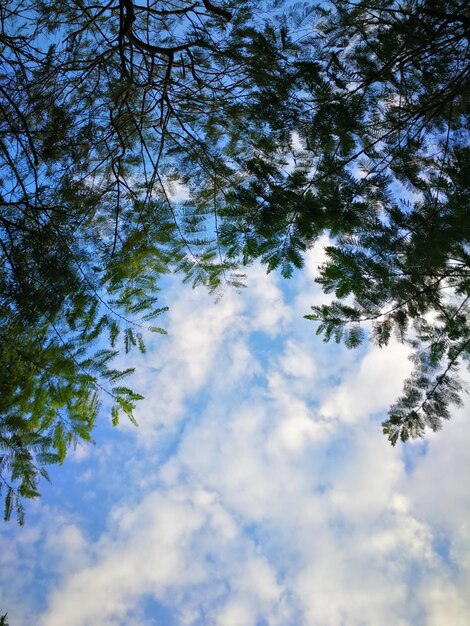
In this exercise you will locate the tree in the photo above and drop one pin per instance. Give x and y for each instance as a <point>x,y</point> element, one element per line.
<point>102,108</point>
<point>380,106</point>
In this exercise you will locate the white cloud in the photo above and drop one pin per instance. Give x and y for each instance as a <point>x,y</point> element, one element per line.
<point>279,501</point>
<point>445,603</point>
<point>372,387</point>
<point>79,452</point>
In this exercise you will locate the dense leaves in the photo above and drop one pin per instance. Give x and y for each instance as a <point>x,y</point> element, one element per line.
<point>138,139</point>
<point>104,108</point>
<point>382,164</point>
<point>406,264</point>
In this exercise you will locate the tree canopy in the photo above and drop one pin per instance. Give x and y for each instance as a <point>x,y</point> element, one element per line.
<point>279,123</point>
<point>98,104</point>
<point>380,108</point>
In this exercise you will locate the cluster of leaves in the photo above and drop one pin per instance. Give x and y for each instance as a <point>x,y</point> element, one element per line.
<point>102,108</point>
<point>409,274</point>
<point>380,93</point>
<point>349,118</point>
<point>58,310</point>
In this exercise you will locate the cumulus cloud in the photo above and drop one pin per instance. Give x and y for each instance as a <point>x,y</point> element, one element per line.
<point>279,501</point>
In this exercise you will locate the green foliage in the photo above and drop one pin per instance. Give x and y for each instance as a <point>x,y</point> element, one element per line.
<point>102,110</point>
<point>275,125</point>
<point>405,265</point>
<point>381,165</point>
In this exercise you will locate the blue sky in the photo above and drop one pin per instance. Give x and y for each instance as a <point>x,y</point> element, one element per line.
<point>258,489</point>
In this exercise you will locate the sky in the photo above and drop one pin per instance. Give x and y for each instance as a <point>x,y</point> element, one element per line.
<point>258,489</point>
